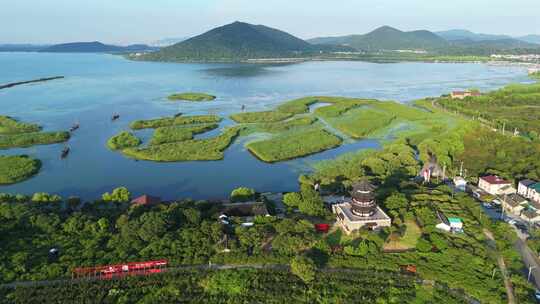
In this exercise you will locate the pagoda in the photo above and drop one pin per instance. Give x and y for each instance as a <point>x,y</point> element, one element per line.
<point>361,209</point>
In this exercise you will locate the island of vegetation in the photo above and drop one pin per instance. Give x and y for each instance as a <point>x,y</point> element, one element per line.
<point>192,97</point>
<point>16,134</point>
<point>14,169</point>
<point>174,121</point>
<point>123,140</point>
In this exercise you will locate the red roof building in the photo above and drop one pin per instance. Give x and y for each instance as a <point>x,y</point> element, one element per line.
<point>145,200</point>
<point>495,185</point>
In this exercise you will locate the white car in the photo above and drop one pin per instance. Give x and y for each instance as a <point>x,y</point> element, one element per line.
<point>511,221</point>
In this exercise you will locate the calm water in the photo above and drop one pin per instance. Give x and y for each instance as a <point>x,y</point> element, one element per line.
<point>98,85</point>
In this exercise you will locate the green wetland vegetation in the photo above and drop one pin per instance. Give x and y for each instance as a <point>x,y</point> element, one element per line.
<point>123,140</point>
<point>190,96</point>
<point>265,116</point>
<point>32,139</point>
<point>173,121</point>
<point>16,134</point>
<point>293,145</point>
<point>14,169</point>
<point>9,125</point>
<point>194,149</point>
<point>179,133</point>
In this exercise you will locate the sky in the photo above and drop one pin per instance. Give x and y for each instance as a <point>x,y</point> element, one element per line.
<point>143,21</point>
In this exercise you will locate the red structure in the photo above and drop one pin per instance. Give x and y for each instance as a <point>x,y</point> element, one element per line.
<point>146,200</point>
<point>322,228</point>
<point>120,270</point>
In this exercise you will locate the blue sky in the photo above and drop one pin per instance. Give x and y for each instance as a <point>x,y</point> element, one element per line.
<point>129,21</point>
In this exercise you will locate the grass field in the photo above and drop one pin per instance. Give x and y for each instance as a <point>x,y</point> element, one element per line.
<point>174,121</point>
<point>293,145</point>
<point>123,140</point>
<point>190,96</point>
<point>257,117</point>
<point>189,150</point>
<point>14,169</point>
<point>9,125</point>
<point>31,139</point>
<point>408,240</point>
<point>165,135</point>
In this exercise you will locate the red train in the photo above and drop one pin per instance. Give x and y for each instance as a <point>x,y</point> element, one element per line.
<point>111,271</point>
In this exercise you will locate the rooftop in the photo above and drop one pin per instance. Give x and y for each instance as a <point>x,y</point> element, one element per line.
<point>515,200</point>
<point>527,182</point>
<point>495,180</point>
<point>146,200</point>
<point>346,210</point>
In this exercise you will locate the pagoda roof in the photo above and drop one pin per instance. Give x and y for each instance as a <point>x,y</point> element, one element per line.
<point>363,186</point>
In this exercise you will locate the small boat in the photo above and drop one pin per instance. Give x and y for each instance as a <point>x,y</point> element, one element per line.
<point>115,117</point>
<point>74,127</point>
<point>178,115</point>
<point>243,107</point>
<point>65,152</point>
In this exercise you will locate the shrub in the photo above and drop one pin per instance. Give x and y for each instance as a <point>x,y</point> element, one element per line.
<point>242,194</point>
<point>118,195</point>
<point>304,268</point>
<point>229,282</point>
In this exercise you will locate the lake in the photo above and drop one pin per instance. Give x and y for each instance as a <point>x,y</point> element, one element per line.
<point>96,86</point>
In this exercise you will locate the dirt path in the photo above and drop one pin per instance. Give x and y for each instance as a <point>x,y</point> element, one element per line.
<point>502,268</point>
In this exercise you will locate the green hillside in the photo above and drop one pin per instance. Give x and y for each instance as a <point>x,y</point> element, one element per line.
<point>387,38</point>
<point>235,41</point>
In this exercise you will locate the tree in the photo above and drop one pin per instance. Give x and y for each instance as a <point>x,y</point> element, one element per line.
<point>292,199</point>
<point>42,197</point>
<point>312,203</point>
<point>230,282</point>
<point>304,268</point>
<point>242,194</point>
<point>396,201</point>
<point>118,195</point>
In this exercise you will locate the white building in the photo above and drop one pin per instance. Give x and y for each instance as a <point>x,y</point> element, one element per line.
<point>495,185</point>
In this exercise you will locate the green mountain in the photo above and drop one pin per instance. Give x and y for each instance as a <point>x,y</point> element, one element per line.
<point>452,35</point>
<point>387,38</point>
<point>94,47</point>
<point>232,42</point>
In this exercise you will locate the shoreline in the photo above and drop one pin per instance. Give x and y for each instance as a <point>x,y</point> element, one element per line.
<point>13,84</point>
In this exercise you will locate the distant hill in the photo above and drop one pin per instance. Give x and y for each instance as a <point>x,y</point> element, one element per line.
<point>387,38</point>
<point>495,45</point>
<point>235,41</point>
<point>21,47</point>
<point>530,38</point>
<point>451,35</point>
<point>94,47</point>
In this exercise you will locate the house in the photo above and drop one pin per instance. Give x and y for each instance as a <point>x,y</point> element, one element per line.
<point>531,215</point>
<point>495,185</point>
<point>146,200</point>
<point>245,211</point>
<point>463,94</point>
<point>529,189</point>
<point>460,183</point>
<point>360,210</point>
<point>514,203</point>
<point>449,224</point>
